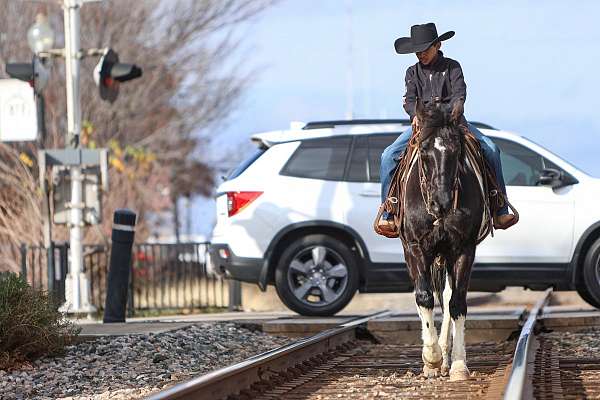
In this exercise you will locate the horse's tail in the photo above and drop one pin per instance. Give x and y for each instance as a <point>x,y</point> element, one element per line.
<point>438,278</point>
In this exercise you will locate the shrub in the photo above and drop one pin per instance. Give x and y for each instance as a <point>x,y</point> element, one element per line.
<point>30,323</point>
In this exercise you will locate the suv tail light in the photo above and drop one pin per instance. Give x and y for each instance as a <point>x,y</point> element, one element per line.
<point>237,201</point>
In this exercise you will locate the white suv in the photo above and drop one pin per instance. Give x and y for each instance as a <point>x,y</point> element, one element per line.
<point>298,214</point>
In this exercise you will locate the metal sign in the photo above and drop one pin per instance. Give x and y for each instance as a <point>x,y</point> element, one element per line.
<point>18,116</point>
<point>92,195</point>
<point>94,168</point>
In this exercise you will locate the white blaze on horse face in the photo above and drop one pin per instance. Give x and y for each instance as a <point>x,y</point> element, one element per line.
<point>439,144</point>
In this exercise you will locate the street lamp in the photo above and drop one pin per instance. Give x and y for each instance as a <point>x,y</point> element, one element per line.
<point>40,36</point>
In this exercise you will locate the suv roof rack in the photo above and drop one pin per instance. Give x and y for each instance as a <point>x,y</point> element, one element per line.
<point>334,123</point>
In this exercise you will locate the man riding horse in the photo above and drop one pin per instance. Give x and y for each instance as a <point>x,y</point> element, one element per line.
<point>443,192</point>
<point>435,78</point>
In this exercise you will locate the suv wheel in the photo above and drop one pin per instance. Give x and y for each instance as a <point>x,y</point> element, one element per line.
<point>585,295</point>
<point>316,275</point>
<point>590,290</point>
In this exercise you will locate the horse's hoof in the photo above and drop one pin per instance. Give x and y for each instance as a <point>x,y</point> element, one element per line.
<point>430,371</point>
<point>459,371</point>
<point>432,355</point>
<point>444,369</point>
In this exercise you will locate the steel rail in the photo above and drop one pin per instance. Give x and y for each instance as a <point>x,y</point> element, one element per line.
<point>230,380</point>
<point>516,384</point>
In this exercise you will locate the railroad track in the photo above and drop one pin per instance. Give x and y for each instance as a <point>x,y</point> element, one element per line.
<point>347,363</point>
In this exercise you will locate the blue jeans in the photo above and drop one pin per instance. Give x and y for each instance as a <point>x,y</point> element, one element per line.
<point>391,155</point>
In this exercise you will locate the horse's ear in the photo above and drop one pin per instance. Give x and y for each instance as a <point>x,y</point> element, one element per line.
<point>457,111</point>
<point>420,109</point>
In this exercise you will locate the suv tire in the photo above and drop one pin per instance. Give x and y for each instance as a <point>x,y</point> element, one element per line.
<point>585,295</point>
<point>590,290</point>
<point>316,275</point>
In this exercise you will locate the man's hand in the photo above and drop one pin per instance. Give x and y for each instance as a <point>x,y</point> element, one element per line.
<point>458,110</point>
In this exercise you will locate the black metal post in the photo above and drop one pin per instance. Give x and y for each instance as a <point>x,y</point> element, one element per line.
<point>41,116</point>
<point>63,267</point>
<point>51,270</point>
<point>120,265</point>
<point>174,198</point>
<point>23,251</point>
<point>235,295</point>
<point>130,295</point>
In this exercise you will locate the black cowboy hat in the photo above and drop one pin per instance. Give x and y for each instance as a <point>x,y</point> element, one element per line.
<point>421,37</point>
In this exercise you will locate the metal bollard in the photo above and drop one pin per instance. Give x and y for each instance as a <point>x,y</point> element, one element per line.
<point>235,296</point>
<point>120,264</point>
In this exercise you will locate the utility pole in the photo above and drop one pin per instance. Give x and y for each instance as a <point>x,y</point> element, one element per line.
<point>349,66</point>
<point>76,279</point>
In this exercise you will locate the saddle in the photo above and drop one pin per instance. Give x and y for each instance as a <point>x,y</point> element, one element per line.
<point>492,197</point>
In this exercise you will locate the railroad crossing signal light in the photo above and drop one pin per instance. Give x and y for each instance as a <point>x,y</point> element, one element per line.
<point>35,73</point>
<point>110,72</point>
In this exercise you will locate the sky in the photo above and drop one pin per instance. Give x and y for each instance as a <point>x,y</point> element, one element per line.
<point>530,68</point>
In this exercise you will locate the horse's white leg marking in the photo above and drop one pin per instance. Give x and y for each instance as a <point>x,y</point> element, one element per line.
<point>432,354</point>
<point>459,370</point>
<point>445,336</point>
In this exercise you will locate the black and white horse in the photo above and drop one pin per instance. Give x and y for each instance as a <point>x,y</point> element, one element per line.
<point>442,217</point>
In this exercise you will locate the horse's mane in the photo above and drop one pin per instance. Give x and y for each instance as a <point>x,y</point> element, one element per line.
<point>435,117</point>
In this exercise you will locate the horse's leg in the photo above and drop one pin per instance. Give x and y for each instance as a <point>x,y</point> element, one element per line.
<point>458,312</point>
<point>445,336</point>
<point>432,354</point>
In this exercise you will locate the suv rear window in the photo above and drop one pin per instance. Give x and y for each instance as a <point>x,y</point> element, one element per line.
<point>237,171</point>
<point>319,159</point>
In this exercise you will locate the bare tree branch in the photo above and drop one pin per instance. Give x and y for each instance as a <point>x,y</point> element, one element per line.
<point>158,124</point>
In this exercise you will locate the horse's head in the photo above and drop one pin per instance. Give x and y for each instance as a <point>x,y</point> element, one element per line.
<point>440,149</point>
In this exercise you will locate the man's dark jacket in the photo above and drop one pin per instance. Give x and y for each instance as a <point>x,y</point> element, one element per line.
<point>442,79</point>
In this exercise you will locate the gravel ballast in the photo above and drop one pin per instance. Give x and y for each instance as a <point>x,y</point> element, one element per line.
<point>133,366</point>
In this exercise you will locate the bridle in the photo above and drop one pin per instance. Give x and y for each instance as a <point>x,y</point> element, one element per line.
<point>426,187</point>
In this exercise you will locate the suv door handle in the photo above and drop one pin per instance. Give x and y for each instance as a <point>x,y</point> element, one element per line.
<point>370,193</point>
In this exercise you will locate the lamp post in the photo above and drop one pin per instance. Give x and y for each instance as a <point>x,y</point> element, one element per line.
<point>40,37</point>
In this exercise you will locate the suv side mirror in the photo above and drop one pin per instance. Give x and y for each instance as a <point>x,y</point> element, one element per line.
<point>550,177</point>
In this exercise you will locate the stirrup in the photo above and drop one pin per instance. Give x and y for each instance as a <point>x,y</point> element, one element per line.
<point>509,223</point>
